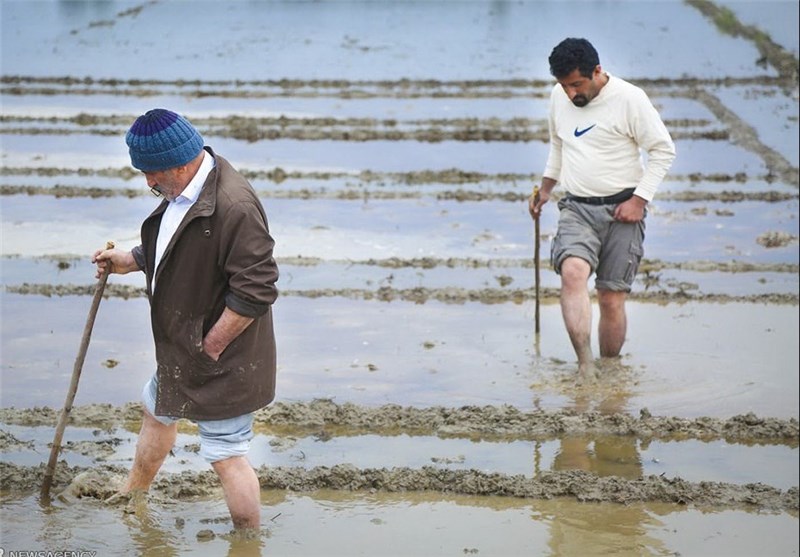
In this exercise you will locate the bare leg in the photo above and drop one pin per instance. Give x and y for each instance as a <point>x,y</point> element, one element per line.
<point>576,308</point>
<point>155,442</point>
<point>613,322</point>
<point>242,491</point>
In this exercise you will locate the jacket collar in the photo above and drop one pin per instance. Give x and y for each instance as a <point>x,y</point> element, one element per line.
<point>207,200</point>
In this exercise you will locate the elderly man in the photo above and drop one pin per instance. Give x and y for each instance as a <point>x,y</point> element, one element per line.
<point>206,252</point>
<point>599,124</point>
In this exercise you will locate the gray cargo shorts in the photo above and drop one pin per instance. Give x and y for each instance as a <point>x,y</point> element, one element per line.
<point>612,249</point>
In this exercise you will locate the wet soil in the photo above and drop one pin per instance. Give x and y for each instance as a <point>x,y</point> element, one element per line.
<point>235,117</point>
<point>101,482</point>
<point>477,422</point>
<point>420,295</point>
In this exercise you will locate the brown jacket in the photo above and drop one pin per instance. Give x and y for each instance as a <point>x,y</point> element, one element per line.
<point>220,255</point>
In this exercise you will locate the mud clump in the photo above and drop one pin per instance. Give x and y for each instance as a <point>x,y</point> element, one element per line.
<point>10,443</point>
<point>93,483</point>
<point>776,239</point>
<point>103,416</point>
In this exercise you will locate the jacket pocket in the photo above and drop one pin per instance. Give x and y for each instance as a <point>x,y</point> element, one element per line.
<point>204,364</point>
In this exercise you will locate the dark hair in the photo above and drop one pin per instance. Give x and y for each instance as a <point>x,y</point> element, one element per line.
<point>571,54</point>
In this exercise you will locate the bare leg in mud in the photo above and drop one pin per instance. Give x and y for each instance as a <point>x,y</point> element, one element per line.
<point>154,444</point>
<point>576,308</point>
<point>613,322</point>
<point>242,491</point>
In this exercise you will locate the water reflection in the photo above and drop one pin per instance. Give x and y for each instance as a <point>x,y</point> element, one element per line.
<point>610,528</point>
<point>608,455</point>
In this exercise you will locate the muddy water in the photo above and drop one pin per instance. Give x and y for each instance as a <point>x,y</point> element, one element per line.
<point>437,355</point>
<point>413,396</point>
<point>338,523</point>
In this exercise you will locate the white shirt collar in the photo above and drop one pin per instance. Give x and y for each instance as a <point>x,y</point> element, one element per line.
<point>192,190</point>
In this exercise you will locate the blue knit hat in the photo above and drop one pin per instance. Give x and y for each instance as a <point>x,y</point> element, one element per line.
<point>161,139</point>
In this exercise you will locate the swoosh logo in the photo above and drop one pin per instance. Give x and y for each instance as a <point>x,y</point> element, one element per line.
<point>579,133</point>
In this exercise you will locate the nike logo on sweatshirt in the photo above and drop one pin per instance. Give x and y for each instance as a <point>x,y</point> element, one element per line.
<point>579,133</point>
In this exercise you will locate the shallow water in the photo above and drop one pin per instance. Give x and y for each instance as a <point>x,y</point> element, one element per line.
<point>605,455</point>
<point>408,291</point>
<point>336,523</point>
<point>428,354</point>
<point>356,41</point>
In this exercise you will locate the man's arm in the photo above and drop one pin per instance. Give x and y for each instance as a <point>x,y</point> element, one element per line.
<point>252,274</point>
<point>229,326</point>
<point>553,164</point>
<point>652,136</point>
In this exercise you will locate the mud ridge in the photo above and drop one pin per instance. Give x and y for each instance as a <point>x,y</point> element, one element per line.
<point>775,55</point>
<point>745,136</point>
<point>233,122</point>
<point>582,486</point>
<point>421,295</point>
<point>503,421</point>
<point>61,191</point>
<point>402,88</point>
<point>253,134</point>
<point>345,129</point>
<point>646,266</point>
<point>412,178</point>
<point>457,295</point>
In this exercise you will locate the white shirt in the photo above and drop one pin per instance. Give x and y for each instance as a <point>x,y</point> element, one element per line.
<point>595,150</point>
<point>176,209</point>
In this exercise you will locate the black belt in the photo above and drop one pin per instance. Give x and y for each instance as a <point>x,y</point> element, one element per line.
<point>624,195</point>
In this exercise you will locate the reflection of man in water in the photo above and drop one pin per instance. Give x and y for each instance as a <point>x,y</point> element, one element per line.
<point>598,125</point>
<point>602,528</point>
<point>605,455</point>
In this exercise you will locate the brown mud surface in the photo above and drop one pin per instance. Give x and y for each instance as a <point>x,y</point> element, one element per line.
<point>101,483</point>
<point>479,422</point>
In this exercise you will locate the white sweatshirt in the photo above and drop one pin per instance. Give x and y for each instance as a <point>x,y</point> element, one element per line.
<point>595,150</point>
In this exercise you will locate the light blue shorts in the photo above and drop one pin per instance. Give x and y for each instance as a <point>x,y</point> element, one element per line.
<point>219,439</point>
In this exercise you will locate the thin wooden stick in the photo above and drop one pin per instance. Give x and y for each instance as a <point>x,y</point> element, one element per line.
<point>536,244</point>
<point>73,386</point>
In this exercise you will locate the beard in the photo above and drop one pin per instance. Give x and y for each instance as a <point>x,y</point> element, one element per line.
<point>580,101</point>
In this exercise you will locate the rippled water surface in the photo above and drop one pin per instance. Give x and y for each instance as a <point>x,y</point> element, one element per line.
<point>393,145</point>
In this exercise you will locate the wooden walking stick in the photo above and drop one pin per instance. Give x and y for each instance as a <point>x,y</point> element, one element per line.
<point>536,259</point>
<point>73,386</point>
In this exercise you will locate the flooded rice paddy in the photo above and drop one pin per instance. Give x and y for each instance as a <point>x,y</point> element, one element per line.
<point>394,146</point>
